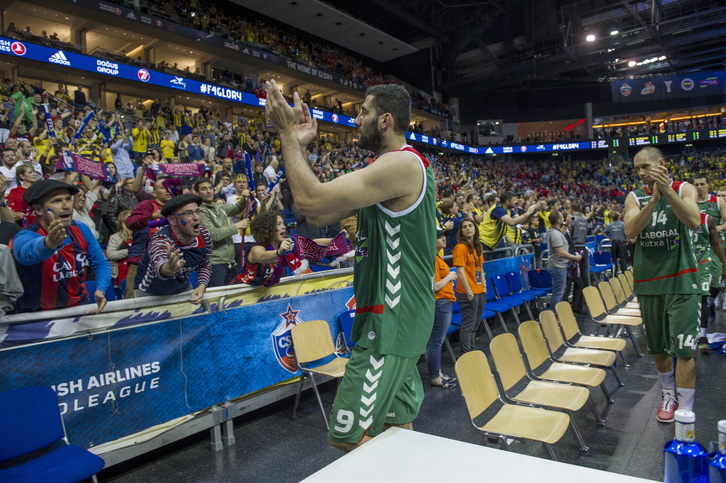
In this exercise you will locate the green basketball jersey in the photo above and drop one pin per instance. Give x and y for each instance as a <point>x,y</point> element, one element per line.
<point>665,258</point>
<point>702,246</point>
<point>711,206</point>
<point>394,273</point>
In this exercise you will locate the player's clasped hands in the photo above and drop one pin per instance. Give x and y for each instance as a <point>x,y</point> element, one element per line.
<point>662,180</point>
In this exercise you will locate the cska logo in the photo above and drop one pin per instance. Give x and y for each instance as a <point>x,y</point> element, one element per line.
<point>282,340</point>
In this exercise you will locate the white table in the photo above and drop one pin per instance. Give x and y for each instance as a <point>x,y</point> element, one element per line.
<point>399,455</point>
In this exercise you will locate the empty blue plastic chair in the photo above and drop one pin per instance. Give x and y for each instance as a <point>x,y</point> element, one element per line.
<point>598,270</point>
<point>494,308</point>
<point>505,296</point>
<point>540,280</point>
<point>30,421</point>
<point>515,283</point>
<point>604,259</point>
<point>346,325</point>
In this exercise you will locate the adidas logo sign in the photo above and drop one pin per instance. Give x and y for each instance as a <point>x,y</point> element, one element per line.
<point>131,16</point>
<point>59,58</point>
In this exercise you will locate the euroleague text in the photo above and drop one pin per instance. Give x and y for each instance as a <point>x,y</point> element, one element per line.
<point>119,380</point>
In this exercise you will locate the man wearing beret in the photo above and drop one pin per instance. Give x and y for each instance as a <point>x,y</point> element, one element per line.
<point>52,253</point>
<point>175,251</point>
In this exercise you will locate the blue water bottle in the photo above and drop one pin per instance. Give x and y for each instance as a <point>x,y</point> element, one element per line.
<point>717,466</point>
<point>686,461</point>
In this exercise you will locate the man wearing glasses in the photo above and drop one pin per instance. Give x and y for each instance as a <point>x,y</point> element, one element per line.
<point>175,251</point>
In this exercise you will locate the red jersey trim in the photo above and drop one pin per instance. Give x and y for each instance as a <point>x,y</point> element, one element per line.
<point>682,272</point>
<point>376,309</point>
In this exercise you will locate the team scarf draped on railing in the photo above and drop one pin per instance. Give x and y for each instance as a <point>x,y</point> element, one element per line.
<point>305,249</point>
<point>87,167</point>
<point>177,170</point>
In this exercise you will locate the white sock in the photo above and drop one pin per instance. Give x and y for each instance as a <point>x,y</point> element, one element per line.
<point>685,398</point>
<point>702,332</point>
<point>667,380</point>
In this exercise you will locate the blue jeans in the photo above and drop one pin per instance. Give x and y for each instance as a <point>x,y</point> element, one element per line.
<point>559,282</point>
<point>442,320</point>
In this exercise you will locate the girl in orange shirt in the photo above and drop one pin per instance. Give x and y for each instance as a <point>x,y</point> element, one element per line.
<point>470,289</point>
<point>444,293</point>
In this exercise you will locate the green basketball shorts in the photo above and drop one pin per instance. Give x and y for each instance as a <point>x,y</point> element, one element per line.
<point>671,323</point>
<point>376,390</point>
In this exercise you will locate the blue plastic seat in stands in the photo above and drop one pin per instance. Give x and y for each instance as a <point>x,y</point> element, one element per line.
<point>505,296</point>
<point>515,283</point>
<point>504,289</point>
<point>596,269</point>
<point>604,259</point>
<point>31,422</point>
<point>346,325</point>
<point>540,280</point>
<point>493,305</point>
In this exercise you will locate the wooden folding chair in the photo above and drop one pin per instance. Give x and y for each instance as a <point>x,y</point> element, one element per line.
<point>607,293</point>
<point>561,353</point>
<point>313,342</point>
<point>511,421</point>
<point>631,279</point>
<point>598,314</point>
<point>535,350</point>
<point>510,368</point>
<point>623,292</point>
<point>575,338</point>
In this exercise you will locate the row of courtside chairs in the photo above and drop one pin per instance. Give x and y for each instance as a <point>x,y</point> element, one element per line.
<point>556,363</point>
<point>558,366</point>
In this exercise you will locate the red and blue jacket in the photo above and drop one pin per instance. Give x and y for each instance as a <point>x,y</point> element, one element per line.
<point>55,279</point>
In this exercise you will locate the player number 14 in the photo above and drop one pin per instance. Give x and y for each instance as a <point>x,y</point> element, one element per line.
<point>659,217</point>
<point>690,342</point>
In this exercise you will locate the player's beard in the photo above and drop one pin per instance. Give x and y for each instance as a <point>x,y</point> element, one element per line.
<point>371,139</point>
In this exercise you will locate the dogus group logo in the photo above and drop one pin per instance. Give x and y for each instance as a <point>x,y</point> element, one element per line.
<point>282,341</point>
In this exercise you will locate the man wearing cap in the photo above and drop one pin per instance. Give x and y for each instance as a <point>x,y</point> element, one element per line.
<point>51,253</point>
<point>215,217</point>
<point>175,251</point>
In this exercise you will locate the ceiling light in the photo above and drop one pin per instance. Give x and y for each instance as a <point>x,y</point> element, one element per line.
<point>590,38</point>
<point>631,63</point>
<point>615,32</point>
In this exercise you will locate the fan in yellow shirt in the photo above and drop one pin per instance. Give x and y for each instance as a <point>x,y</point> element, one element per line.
<point>167,146</point>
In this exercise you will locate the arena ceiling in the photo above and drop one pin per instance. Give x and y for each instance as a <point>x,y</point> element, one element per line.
<point>492,43</point>
<point>535,44</point>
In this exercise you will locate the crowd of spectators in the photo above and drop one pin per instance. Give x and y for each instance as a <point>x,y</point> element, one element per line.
<point>224,21</point>
<point>334,60</point>
<point>133,142</point>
